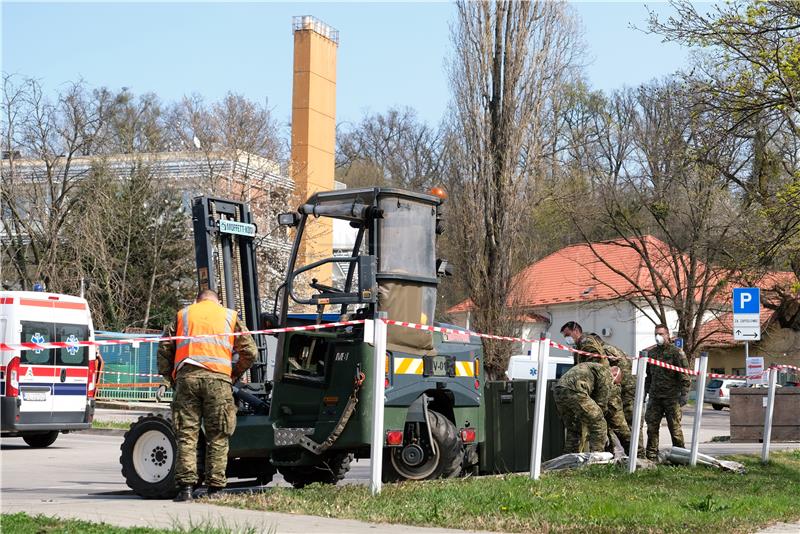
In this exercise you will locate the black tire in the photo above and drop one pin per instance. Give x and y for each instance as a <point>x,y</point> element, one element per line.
<point>330,471</point>
<point>156,453</point>
<point>717,407</point>
<point>40,440</point>
<point>444,462</point>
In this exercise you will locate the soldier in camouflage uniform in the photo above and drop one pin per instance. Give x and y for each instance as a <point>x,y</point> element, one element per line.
<point>203,394</point>
<point>615,416</point>
<point>627,385</point>
<point>581,396</point>
<point>668,391</point>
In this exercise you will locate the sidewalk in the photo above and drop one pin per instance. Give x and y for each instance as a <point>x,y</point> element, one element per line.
<point>167,514</point>
<point>781,528</point>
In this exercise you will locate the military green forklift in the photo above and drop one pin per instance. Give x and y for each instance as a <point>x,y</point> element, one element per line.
<point>311,418</point>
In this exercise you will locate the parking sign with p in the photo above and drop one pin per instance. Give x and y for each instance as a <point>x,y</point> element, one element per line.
<point>746,300</point>
<point>746,314</point>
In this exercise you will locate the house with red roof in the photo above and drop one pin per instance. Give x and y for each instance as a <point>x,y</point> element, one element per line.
<point>572,284</point>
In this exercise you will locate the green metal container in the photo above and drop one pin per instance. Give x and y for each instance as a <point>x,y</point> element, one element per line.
<point>509,426</point>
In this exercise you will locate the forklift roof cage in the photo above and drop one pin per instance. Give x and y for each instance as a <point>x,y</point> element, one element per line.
<point>393,258</point>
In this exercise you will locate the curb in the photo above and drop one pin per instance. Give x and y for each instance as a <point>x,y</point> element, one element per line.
<point>121,405</point>
<point>103,431</point>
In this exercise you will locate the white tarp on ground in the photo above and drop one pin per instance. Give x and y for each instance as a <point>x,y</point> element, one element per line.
<point>678,455</point>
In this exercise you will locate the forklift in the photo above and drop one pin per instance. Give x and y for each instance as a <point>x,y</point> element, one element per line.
<point>310,418</point>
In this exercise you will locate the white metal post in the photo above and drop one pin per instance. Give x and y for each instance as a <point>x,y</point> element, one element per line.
<point>378,396</point>
<point>746,350</point>
<point>641,375</point>
<point>698,413</point>
<point>538,409</point>
<point>773,382</point>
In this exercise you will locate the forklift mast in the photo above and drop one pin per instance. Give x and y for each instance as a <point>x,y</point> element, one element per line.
<point>224,235</point>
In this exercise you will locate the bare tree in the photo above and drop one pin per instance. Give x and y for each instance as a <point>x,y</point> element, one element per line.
<point>392,148</point>
<point>38,197</point>
<point>747,75</point>
<point>663,203</point>
<point>510,60</point>
<point>140,262</point>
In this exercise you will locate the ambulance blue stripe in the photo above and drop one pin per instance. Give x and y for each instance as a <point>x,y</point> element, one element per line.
<point>59,389</point>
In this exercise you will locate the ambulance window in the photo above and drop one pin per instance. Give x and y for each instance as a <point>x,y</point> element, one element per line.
<point>37,333</point>
<point>71,355</point>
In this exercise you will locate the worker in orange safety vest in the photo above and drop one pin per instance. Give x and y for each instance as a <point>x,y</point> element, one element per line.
<point>201,370</point>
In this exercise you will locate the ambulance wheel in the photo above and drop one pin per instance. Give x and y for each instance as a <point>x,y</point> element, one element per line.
<point>40,440</point>
<point>147,456</point>
<point>717,407</point>
<point>330,471</point>
<point>440,459</point>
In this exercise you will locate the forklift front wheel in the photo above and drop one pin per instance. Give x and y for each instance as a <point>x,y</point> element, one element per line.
<point>148,457</point>
<point>441,460</point>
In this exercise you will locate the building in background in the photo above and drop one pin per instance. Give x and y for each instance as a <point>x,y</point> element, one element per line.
<point>231,174</point>
<point>573,285</point>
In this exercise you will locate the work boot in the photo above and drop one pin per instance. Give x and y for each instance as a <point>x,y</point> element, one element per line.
<point>184,494</point>
<point>215,492</point>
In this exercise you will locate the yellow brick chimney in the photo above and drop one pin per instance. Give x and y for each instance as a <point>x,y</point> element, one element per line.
<point>314,126</point>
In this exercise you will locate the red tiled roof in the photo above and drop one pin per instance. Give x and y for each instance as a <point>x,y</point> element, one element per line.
<point>719,332</point>
<point>575,274</point>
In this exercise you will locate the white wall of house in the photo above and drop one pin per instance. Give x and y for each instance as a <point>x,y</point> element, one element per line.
<point>645,327</point>
<point>617,322</point>
<point>613,321</point>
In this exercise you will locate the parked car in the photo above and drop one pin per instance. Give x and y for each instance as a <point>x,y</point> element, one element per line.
<point>718,393</point>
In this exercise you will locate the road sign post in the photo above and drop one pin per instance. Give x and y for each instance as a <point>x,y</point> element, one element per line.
<point>698,413</point>
<point>538,409</point>
<point>638,408</point>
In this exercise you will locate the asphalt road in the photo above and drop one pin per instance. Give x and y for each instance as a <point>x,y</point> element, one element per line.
<point>79,476</point>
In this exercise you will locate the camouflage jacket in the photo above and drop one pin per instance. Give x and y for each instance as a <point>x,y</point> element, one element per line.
<point>666,383</point>
<point>622,362</point>
<point>590,378</point>
<point>590,343</point>
<point>243,345</point>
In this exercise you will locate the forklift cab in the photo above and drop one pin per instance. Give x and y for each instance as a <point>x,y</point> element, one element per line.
<point>391,267</point>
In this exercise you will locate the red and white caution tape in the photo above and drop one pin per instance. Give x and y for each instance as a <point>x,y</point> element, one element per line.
<point>666,365</point>
<point>589,354</point>
<point>106,342</point>
<point>446,330</point>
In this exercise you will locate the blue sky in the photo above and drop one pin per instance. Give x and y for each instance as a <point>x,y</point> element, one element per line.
<point>389,54</point>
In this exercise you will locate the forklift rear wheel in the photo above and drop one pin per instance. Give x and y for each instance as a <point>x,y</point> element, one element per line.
<point>40,440</point>
<point>148,457</point>
<point>330,471</point>
<point>442,460</point>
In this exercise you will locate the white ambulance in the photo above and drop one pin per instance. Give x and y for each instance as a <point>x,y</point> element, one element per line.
<point>45,391</point>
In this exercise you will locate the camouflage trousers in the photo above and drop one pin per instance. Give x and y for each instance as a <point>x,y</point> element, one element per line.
<point>616,420</point>
<point>657,408</point>
<point>581,416</point>
<point>207,400</point>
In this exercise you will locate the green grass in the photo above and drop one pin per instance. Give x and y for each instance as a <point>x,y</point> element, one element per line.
<point>598,499</point>
<point>24,524</point>
<point>115,425</point>
<point>21,523</point>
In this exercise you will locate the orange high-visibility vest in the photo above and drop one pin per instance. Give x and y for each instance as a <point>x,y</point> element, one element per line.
<point>213,353</point>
